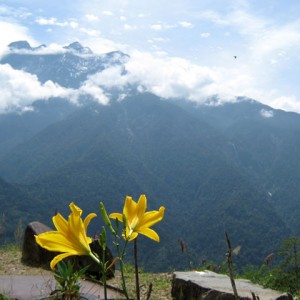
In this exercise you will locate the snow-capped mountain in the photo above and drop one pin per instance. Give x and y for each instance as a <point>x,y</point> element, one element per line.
<point>68,68</point>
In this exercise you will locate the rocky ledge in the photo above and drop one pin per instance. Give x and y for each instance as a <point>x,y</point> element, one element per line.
<point>208,285</point>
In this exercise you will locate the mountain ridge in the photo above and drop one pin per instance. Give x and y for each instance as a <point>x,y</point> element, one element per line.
<point>214,167</point>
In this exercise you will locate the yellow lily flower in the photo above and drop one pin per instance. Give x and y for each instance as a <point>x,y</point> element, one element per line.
<point>138,220</point>
<point>70,237</point>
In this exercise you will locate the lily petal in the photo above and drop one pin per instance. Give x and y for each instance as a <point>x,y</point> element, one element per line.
<point>150,233</point>
<point>60,223</point>
<point>152,217</point>
<point>70,237</point>
<point>116,216</point>
<point>88,219</point>
<point>58,258</point>
<point>129,209</point>
<point>57,242</point>
<point>138,220</point>
<point>75,209</point>
<point>132,236</point>
<point>141,207</point>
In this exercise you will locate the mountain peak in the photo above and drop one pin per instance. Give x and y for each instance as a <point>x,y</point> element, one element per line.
<point>20,45</point>
<point>24,45</point>
<point>76,46</point>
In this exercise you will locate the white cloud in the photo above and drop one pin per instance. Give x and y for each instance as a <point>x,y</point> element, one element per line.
<point>157,40</point>
<point>50,49</point>
<point>51,21</point>
<point>90,32</point>
<point>278,40</point>
<point>91,17</point>
<point>165,76</point>
<point>185,24</point>
<point>129,27</point>
<point>205,34</point>
<point>214,17</point>
<point>19,89</point>
<point>110,77</point>
<point>288,103</point>
<point>162,26</point>
<point>107,13</point>
<point>94,91</point>
<point>266,47</point>
<point>100,45</point>
<point>4,10</point>
<point>263,36</point>
<point>170,77</point>
<point>73,24</point>
<point>247,23</point>
<point>156,27</point>
<point>13,32</point>
<point>15,12</point>
<point>54,22</point>
<point>44,21</point>
<point>266,113</point>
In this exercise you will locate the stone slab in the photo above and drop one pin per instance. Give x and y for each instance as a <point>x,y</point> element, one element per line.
<point>38,287</point>
<point>208,280</point>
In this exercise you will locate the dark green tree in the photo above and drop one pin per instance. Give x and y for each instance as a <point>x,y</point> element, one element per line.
<point>285,275</point>
<point>289,267</point>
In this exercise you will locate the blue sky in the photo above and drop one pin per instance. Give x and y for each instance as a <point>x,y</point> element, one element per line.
<point>177,48</point>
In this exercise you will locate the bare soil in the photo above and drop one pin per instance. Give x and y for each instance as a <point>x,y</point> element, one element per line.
<point>10,264</point>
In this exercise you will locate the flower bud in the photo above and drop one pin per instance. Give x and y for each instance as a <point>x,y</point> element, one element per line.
<point>106,218</point>
<point>102,238</point>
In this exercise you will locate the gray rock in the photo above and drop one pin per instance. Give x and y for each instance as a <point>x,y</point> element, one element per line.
<point>32,253</point>
<point>208,285</point>
<point>286,296</point>
<point>213,294</point>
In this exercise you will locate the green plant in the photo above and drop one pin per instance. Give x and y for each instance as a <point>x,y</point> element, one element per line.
<point>285,276</point>
<point>68,285</point>
<point>290,253</point>
<point>18,234</point>
<point>3,297</point>
<point>121,253</point>
<point>137,221</point>
<point>9,247</point>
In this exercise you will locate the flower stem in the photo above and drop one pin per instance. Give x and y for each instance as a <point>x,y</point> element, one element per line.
<point>96,259</point>
<point>103,267</point>
<point>137,283</point>
<point>104,271</point>
<point>121,255</point>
